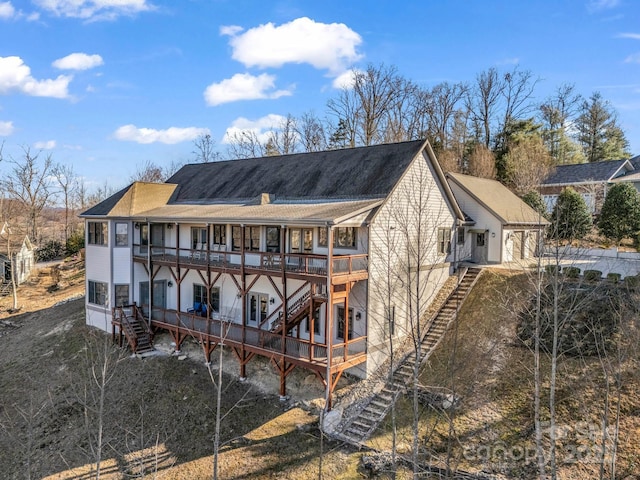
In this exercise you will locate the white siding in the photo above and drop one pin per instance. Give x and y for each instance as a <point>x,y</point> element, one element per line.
<point>416,205</point>
<point>484,220</point>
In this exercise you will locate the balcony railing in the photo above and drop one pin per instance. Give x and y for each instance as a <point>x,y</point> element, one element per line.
<point>220,330</point>
<point>304,264</point>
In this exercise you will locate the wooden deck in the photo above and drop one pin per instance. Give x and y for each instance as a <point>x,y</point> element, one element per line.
<point>345,268</point>
<point>262,342</point>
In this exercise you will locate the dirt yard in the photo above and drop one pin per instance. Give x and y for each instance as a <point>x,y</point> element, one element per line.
<point>158,416</point>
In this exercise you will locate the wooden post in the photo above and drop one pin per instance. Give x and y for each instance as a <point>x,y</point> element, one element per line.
<point>329,318</point>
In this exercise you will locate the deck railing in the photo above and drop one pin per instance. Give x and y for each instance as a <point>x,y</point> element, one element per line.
<point>304,264</point>
<point>233,333</point>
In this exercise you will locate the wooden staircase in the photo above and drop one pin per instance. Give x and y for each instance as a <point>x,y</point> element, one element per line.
<point>298,310</point>
<point>5,289</point>
<point>135,328</point>
<point>364,424</point>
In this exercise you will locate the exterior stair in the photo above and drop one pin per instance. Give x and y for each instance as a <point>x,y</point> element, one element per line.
<point>5,289</point>
<point>135,329</point>
<point>298,310</point>
<point>365,423</point>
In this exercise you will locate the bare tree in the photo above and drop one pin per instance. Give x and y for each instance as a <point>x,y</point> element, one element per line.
<point>68,182</point>
<point>283,140</point>
<point>311,132</point>
<point>481,162</point>
<point>528,163</point>
<point>29,183</point>
<point>556,113</point>
<point>148,172</point>
<point>446,98</point>
<point>483,101</point>
<point>205,149</point>
<point>245,144</point>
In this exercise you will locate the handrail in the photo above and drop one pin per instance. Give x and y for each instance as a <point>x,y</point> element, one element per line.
<point>298,263</point>
<point>231,332</point>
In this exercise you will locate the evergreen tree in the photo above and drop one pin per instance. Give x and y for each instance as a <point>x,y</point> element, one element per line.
<point>570,219</point>
<point>620,215</point>
<point>534,200</point>
<point>599,134</point>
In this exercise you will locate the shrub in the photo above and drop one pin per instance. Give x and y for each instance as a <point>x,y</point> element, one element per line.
<point>552,269</point>
<point>51,250</point>
<point>620,214</point>
<point>632,281</point>
<point>570,219</point>
<point>613,277</point>
<point>534,200</point>
<point>592,275</point>
<point>571,272</point>
<point>75,243</point>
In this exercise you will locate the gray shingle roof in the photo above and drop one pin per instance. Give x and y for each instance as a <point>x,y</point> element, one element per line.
<point>586,172</point>
<point>497,199</point>
<point>355,173</point>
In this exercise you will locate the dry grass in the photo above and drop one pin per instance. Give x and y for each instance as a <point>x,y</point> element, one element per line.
<point>160,411</point>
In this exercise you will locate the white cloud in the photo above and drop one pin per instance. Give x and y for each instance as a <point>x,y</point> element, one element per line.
<point>47,145</point>
<point>6,10</point>
<point>230,30</point>
<point>171,135</point>
<point>6,129</point>
<point>633,36</point>
<point>325,46</point>
<point>634,58</point>
<point>95,9</point>
<point>243,86</point>
<point>16,76</point>
<point>345,80</point>
<point>78,61</point>
<point>260,128</point>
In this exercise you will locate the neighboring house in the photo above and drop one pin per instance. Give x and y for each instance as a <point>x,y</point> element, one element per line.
<point>305,259</point>
<point>23,259</point>
<point>505,229</point>
<point>591,180</point>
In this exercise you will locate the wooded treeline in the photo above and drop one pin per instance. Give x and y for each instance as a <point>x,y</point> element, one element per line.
<point>492,126</point>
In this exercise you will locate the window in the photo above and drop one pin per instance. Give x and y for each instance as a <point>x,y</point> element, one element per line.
<point>97,233</point>
<point>344,237</point>
<point>273,239</point>
<point>122,234</point>
<point>256,308</point>
<point>301,240</point>
<point>122,295</point>
<point>390,327</point>
<point>97,293</point>
<point>460,235</point>
<point>341,323</point>
<point>220,234</point>
<point>444,240</point>
<point>252,239</point>
<point>317,326</point>
<point>144,238</point>
<point>200,298</point>
<point>198,238</point>
<point>480,239</point>
<point>236,238</point>
<point>322,237</point>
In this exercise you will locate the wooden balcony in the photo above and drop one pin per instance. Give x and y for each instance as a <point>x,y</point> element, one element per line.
<point>345,268</point>
<point>304,353</point>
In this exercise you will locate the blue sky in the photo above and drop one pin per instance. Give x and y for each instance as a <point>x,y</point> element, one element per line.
<point>107,85</point>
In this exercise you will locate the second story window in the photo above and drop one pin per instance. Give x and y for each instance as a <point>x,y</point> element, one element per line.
<point>252,239</point>
<point>97,233</point>
<point>219,234</point>
<point>301,240</point>
<point>344,237</point>
<point>273,239</point>
<point>122,234</point>
<point>444,240</point>
<point>198,238</point>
